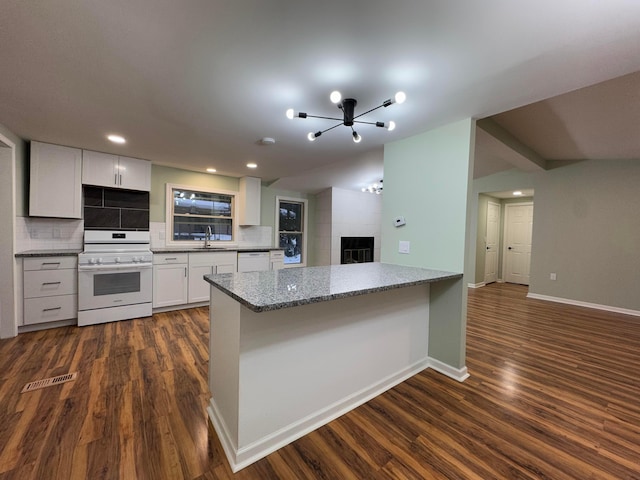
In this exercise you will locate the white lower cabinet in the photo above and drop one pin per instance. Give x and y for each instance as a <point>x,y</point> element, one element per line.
<point>177,278</point>
<point>50,289</point>
<point>170,279</point>
<point>207,263</point>
<point>276,258</point>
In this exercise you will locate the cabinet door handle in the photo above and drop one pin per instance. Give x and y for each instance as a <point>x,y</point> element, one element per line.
<point>115,178</point>
<point>51,309</point>
<point>120,179</point>
<point>50,263</point>
<point>170,258</point>
<point>185,272</point>
<point>51,283</point>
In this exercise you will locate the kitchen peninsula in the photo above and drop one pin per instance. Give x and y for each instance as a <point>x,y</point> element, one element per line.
<point>292,349</point>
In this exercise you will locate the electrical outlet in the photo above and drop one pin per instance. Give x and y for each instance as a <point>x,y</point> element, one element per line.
<point>552,276</point>
<point>404,246</point>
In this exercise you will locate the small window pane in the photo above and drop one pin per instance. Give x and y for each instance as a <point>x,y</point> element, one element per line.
<point>291,217</point>
<point>194,228</point>
<point>292,244</point>
<point>194,211</point>
<point>186,202</point>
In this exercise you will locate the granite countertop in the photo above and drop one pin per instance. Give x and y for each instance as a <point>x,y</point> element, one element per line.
<point>58,252</point>
<point>290,287</point>
<point>214,249</point>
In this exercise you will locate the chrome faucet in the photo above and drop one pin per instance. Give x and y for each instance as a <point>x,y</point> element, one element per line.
<point>207,237</point>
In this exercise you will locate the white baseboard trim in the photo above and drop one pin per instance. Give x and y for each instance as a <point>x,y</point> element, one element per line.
<point>240,458</point>
<point>579,303</point>
<point>476,285</point>
<point>459,374</point>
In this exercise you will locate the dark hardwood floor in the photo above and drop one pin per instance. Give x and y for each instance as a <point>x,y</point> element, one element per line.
<point>554,393</point>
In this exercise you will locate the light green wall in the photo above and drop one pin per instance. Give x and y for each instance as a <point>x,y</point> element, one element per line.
<point>22,172</point>
<point>586,229</point>
<point>268,215</point>
<point>427,180</point>
<point>160,176</point>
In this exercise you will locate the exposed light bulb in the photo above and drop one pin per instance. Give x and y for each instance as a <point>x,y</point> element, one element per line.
<point>392,126</point>
<point>311,136</point>
<point>364,189</point>
<point>290,114</point>
<point>356,138</point>
<point>335,96</point>
<point>400,97</point>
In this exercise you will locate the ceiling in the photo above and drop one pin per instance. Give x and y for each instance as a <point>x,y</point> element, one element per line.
<point>197,84</point>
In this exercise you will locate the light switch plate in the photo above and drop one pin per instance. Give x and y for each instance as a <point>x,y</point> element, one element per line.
<point>404,246</point>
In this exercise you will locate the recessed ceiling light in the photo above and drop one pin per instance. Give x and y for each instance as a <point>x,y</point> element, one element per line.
<point>211,170</point>
<point>252,165</point>
<point>116,138</point>
<point>517,193</point>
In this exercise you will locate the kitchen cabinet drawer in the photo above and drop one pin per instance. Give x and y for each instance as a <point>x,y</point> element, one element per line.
<point>50,263</point>
<point>169,258</point>
<point>50,309</point>
<point>47,283</point>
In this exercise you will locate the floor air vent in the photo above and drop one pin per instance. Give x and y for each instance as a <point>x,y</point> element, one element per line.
<point>48,382</point>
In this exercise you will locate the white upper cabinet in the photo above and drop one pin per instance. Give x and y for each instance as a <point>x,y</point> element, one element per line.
<point>107,170</point>
<point>250,193</point>
<point>55,188</point>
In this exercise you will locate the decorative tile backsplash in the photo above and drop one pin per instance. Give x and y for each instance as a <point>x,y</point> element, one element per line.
<point>254,236</point>
<point>114,209</point>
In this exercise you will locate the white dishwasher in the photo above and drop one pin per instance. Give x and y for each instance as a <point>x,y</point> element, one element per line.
<point>253,261</point>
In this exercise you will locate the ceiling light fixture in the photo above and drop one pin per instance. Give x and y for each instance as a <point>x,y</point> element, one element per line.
<point>348,106</point>
<point>211,170</point>
<point>517,193</point>
<point>374,188</point>
<point>116,138</point>
<point>252,165</point>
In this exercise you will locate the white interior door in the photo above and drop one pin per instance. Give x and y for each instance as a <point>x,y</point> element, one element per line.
<point>518,226</point>
<point>492,238</point>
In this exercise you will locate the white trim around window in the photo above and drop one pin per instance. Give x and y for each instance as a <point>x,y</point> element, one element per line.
<point>304,233</point>
<point>169,215</point>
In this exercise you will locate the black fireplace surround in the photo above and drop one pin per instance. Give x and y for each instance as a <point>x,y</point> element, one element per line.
<point>356,249</point>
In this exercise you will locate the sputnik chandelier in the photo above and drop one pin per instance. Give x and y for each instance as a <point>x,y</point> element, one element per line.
<point>348,106</point>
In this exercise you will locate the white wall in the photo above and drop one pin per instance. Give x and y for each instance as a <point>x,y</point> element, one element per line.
<point>354,214</point>
<point>345,213</point>
<point>323,227</point>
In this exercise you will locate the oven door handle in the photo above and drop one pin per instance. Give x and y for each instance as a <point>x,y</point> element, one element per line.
<point>101,268</point>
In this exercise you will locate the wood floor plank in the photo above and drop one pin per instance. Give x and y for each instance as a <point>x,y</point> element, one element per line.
<point>553,394</point>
